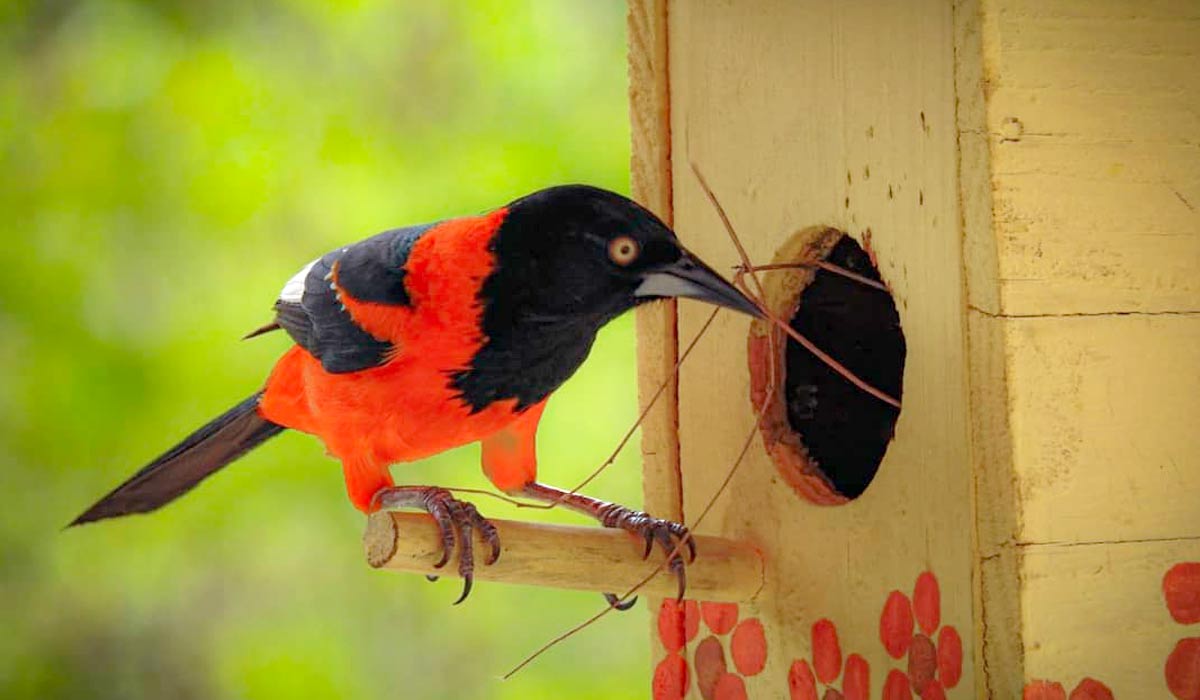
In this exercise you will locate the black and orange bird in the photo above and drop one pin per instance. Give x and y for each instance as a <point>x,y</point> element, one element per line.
<point>425,338</point>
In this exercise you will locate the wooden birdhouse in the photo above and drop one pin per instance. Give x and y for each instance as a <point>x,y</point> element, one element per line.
<point>1021,178</point>
<point>1027,177</point>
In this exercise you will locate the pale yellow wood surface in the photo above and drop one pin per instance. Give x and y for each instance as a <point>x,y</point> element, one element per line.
<point>828,113</point>
<point>1104,416</point>
<point>1097,610</point>
<point>1034,166</point>
<point>589,558</point>
<point>658,345</point>
<point>1088,465</point>
<point>1080,167</point>
<point>1092,120</point>
<point>999,652</point>
<point>650,182</point>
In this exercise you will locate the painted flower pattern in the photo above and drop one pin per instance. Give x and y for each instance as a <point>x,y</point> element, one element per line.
<point>728,649</point>
<point>1181,591</point>
<point>1088,689</point>
<point>732,650</point>
<point>827,669</point>
<point>933,650</point>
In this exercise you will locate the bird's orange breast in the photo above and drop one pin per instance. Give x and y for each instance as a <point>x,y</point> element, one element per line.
<point>404,409</point>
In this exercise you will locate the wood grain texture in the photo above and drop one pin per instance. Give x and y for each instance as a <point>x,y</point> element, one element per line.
<point>1035,166</point>
<point>1000,653</point>
<point>589,558</point>
<point>650,182</point>
<point>1091,119</point>
<point>657,328</point>
<point>829,113</point>
<point>1087,466</point>
<point>1097,610</point>
<point>1104,410</point>
<point>1078,164</point>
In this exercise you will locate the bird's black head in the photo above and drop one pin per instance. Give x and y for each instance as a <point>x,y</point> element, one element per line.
<point>568,260</point>
<point>582,251</point>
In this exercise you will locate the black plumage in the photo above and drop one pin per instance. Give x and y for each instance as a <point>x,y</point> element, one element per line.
<point>554,287</point>
<point>371,270</point>
<point>222,440</point>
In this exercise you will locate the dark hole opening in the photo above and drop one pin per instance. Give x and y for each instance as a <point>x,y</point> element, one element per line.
<point>845,430</point>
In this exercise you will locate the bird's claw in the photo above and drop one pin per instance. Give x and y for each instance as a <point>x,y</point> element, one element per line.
<point>669,535</point>
<point>615,602</point>
<point>456,520</point>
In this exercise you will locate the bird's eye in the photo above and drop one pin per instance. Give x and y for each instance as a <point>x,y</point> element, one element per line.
<point>623,250</point>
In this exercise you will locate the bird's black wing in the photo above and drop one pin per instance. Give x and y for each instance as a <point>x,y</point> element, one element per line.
<point>311,310</point>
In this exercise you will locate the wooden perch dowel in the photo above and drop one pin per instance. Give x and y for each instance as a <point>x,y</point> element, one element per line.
<point>582,558</point>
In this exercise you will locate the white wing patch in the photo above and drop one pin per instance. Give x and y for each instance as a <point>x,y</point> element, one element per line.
<point>294,289</point>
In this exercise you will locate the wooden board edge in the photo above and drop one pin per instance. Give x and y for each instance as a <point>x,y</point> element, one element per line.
<point>650,182</point>
<point>981,255</point>
<point>657,330</point>
<point>997,512</point>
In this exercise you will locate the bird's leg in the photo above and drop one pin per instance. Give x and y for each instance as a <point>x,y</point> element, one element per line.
<point>456,520</point>
<point>665,532</point>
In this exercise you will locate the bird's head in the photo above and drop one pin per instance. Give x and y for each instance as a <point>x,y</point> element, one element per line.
<point>587,253</point>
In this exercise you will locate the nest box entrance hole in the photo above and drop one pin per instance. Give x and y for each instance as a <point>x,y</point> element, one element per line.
<point>827,436</point>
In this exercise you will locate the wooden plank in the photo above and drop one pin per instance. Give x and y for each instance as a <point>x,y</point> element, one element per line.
<point>1082,433</point>
<point>1098,610</point>
<point>1093,242</point>
<point>1079,170</point>
<point>657,343</point>
<point>1104,413</point>
<point>1092,112</point>
<point>829,113</point>
<point>650,181</point>
<point>1000,656</point>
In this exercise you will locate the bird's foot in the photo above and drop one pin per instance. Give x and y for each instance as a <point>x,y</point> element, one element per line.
<point>615,602</point>
<point>670,536</point>
<point>456,521</point>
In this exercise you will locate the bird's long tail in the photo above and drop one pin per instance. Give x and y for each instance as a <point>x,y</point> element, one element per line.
<point>224,439</point>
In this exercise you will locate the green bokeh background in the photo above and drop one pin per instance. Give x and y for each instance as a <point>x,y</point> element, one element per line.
<point>164,167</point>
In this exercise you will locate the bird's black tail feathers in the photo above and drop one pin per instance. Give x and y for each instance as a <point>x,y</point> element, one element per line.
<point>224,439</point>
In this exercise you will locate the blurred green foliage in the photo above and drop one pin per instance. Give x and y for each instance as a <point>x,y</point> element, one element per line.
<point>164,167</point>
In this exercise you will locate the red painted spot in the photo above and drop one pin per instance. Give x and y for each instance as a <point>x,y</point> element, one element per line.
<point>1181,588</point>
<point>896,687</point>
<point>922,661</point>
<point>801,684</point>
<point>720,617</point>
<point>933,690</point>
<point>730,687</point>
<point>949,656</point>
<point>710,665</point>
<point>827,653</point>
<point>833,694</point>
<point>1183,669</point>
<point>1043,690</point>
<point>1091,689</point>
<point>670,678</point>
<point>896,624</point>
<point>856,680</point>
<point>748,646</point>
<point>927,602</point>
<point>678,623</point>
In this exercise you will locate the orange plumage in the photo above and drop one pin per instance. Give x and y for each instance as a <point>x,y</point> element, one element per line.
<point>424,338</point>
<point>405,410</point>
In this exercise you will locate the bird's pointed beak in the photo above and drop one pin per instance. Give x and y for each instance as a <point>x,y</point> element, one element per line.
<point>689,277</point>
